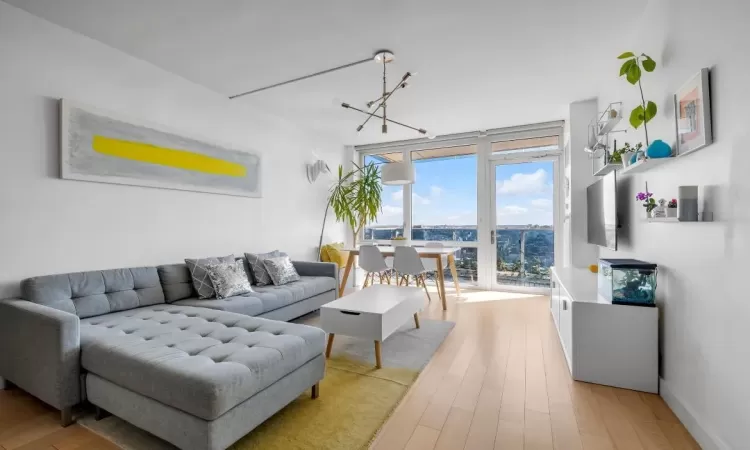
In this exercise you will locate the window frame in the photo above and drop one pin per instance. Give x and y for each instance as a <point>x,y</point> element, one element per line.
<point>485,159</point>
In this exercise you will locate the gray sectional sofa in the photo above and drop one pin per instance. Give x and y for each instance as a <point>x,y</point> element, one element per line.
<point>138,343</point>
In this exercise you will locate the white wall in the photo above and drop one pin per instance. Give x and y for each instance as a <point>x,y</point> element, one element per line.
<point>49,225</point>
<point>579,253</point>
<point>703,267</point>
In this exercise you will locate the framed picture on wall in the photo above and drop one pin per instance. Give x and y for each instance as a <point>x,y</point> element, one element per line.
<point>692,104</point>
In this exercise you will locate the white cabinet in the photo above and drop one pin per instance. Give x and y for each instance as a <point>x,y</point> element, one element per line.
<point>608,344</point>
<point>554,300</point>
<point>565,326</point>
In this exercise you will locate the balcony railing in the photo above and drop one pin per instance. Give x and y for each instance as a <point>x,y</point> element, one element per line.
<point>524,252</point>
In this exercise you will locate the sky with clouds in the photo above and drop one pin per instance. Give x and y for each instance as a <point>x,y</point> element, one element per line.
<point>445,193</point>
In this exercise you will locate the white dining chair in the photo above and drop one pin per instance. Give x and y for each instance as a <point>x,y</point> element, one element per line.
<point>407,263</point>
<point>372,262</point>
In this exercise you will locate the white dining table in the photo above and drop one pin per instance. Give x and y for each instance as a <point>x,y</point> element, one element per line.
<point>439,254</point>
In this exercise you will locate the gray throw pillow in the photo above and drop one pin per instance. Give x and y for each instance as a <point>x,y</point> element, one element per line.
<point>229,279</point>
<point>281,270</point>
<point>201,281</point>
<point>260,274</point>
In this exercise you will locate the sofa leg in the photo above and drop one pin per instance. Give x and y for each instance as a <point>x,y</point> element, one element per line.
<point>4,384</point>
<point>100,414</point>
<point>315,390</point>
<point>66,417</point>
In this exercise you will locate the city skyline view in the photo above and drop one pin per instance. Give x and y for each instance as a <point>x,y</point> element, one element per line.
<point>445,193</point>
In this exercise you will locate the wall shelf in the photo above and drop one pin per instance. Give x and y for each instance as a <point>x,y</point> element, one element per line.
<point>611,167</point>
<point>706,217</point>
<point>643,165</point>
<point>607,126</point>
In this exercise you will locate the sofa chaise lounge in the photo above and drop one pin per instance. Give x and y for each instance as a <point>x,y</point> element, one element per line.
<point>137,342</point>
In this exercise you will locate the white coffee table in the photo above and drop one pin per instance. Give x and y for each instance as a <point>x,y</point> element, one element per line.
<point>373,313</point>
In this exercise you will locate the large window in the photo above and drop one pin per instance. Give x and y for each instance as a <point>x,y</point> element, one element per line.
<point>492,195</point>
<point>390,221</point>
<point>444,196</point>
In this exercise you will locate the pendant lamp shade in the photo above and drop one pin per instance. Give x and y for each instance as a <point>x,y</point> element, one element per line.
<point>397,173</point>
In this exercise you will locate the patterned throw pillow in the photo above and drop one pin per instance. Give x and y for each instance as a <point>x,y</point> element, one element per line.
<point>281,270</point>
<point>201,281</point>
<point>260,274</point>
<point>229,279</point>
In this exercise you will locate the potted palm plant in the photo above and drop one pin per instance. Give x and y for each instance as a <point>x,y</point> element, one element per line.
<point>355,198</point>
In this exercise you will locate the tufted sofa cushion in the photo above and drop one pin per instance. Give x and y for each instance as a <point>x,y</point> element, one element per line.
<point>248,304</point>
<point>94,293</point>
<point>275,297</point>
<point>201,361</point>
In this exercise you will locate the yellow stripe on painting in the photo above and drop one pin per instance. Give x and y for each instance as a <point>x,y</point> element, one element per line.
<point>179,159</point>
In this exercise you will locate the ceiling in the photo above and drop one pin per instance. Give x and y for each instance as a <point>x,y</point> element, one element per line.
<point>480,64</point>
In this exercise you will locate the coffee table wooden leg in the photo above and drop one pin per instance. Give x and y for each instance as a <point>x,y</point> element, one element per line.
<point>416,319</point>
<point>330,345</point>
<point>378,361</point>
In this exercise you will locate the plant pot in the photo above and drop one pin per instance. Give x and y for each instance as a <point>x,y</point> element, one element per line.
<point>649,214</point>
<point>671,212</point>
<point>626,158</point>
<point>400,243</point>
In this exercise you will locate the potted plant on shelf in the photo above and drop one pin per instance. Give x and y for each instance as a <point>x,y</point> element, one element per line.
<point>631,70</point>
<point>672,208</point>
<point>648,202</point>
<point>629,152</point>
<point>356,199</point>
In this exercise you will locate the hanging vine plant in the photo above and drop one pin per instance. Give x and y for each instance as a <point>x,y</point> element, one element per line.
<point>632,69</point>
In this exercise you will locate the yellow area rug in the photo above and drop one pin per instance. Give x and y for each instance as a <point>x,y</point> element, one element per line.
<point>355,400</point>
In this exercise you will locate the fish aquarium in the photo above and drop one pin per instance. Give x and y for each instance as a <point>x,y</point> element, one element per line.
<point>627,282</point>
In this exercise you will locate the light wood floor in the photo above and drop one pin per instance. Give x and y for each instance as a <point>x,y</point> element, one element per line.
<point>498,382</point>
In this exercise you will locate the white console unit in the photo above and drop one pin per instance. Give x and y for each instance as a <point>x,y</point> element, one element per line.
<point>608,344</point>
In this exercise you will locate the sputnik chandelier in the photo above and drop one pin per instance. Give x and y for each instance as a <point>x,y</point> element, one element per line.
<point>384,57</point>
<point>381,103</point>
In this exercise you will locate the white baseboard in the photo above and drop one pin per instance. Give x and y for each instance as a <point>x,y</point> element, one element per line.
<point>695,425</point>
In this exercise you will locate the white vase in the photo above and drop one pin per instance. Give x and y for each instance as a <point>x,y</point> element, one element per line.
<point>671,212</point>
<point>649,214</point>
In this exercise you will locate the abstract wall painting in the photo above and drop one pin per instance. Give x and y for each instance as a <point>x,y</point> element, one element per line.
<point>692,104</point>
<point>99,146</point>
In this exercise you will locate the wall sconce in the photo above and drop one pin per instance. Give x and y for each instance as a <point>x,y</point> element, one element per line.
<point>315,169</point>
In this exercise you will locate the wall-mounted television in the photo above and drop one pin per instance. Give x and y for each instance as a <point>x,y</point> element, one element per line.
<point>601,203</point>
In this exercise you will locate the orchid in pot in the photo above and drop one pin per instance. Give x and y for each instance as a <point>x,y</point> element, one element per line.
<point>648,201</point>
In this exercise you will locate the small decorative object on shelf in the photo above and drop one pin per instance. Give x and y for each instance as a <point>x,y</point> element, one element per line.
<point>659,149</point>
<point>648,201</point>
<point>688,210</point>
<point>660,211</point>
<point>672,208</point>
<point>627,282</point>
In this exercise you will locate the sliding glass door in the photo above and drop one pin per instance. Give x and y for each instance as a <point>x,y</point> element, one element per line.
<point>524,193</point>
<point>522,234</point>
